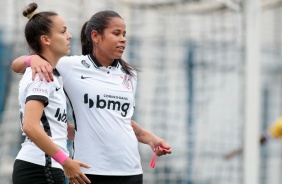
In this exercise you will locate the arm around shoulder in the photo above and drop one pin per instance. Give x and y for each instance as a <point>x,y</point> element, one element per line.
<point>38,66</point>
<point>19,65</point>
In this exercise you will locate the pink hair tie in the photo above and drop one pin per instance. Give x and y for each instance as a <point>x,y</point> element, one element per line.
<point>153,161</point>
<point>60,157</point>
<point>27,60</point>
<point>154,158</point>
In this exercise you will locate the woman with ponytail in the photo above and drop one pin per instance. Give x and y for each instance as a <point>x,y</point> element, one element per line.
<point>101,89</point>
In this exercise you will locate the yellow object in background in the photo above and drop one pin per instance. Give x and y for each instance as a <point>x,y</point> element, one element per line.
<point>276,128</point>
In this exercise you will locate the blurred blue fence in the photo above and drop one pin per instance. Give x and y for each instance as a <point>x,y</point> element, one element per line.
<point>5,71</point>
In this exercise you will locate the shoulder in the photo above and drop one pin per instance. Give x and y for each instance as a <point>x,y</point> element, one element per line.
<point>72,58</point>
<point>37,85</point>
<point>67,62</point>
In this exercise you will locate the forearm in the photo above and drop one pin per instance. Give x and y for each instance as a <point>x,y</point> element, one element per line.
<point>19,65</point>
<point>37,135</point>
<point>33,129</point>
<point>38,66</point>
<point>143,135</point>
<point>160,146</point>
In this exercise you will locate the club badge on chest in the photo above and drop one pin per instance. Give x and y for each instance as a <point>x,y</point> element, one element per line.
<point>126,81</point>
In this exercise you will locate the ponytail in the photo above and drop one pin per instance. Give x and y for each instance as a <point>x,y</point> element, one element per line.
<point>86,44</point>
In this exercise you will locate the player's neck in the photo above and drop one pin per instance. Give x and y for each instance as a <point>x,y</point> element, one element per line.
<point>51,58</point>
<point>104,61</point>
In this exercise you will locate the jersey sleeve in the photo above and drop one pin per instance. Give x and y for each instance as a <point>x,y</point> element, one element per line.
<point>275,129</point>
<point>38,90</point>
<point>65,65</point>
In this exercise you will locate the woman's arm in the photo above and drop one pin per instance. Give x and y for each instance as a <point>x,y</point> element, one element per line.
<point>71,131</point>
<point>37,64</point>
<point>19,65</point>
<point>238,151</point>
<point>33,129</point>
<point>149,138</point>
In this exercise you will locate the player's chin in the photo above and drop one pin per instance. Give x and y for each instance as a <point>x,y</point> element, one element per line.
<point>67,52</point>
<point>118,54</point>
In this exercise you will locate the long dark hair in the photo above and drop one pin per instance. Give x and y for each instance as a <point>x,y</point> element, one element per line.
<point>100,22</point>
<point>38,24</point>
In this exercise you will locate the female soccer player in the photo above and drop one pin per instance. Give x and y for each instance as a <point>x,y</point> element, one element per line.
<point>44,154</point>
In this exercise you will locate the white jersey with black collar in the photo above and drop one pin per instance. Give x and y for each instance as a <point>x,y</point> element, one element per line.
<point>53,119</point>
<point>102,99</point>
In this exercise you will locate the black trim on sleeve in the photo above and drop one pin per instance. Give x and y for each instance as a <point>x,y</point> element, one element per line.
<point>38,97</point>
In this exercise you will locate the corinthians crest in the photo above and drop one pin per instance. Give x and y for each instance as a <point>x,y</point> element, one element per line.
<point>126,81</point>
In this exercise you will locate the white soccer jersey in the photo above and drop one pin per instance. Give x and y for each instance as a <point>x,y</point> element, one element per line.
<point>53,119</point>
<point>103,102</point>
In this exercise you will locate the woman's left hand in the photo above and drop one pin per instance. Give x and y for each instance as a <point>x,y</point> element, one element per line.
<point>161,147</point>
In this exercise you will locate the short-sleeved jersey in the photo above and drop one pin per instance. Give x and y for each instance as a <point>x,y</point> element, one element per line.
<point>102,99</point>
<point>53,119</point>
<point>275,129</point>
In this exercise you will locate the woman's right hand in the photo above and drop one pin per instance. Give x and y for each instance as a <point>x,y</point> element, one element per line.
<point>73,171</point>
<point>42,68</point>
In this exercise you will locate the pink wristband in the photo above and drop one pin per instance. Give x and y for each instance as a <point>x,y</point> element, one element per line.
<point>27,60</point>
<point>60,157</point>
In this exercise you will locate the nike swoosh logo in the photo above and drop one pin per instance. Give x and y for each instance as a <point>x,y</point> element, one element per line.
<point>82,77</point>
<point>57,89</point>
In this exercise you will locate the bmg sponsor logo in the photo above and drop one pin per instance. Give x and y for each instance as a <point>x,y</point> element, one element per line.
<point>61,116</point>
<point>101,103</point>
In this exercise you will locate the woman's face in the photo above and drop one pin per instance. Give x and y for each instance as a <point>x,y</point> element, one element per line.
<point>112,43</point>
<point>59,37</point>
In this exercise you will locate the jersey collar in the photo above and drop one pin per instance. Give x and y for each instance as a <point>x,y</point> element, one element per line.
<point>55,71</point>
<point>97,64</point>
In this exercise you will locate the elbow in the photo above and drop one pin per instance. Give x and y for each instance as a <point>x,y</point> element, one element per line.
<point>16,67</point>
<point>13,67</point>
<point>27,129</point>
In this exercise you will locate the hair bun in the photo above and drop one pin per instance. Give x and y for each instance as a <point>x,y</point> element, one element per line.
<point>30,10</point>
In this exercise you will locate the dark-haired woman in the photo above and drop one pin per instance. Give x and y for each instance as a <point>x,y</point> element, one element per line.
<point>43,157</point>
<point>101,89</point>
